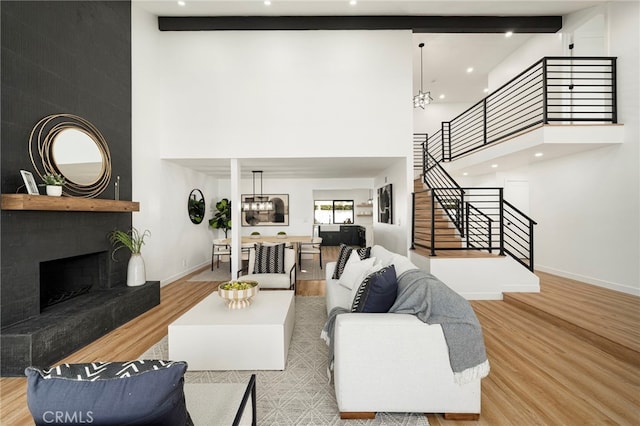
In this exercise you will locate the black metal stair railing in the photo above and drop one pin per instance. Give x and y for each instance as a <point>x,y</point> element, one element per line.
<point>553,90</point>
<point>446,191</point>
<point>518,235</point>
<point>562,90</point>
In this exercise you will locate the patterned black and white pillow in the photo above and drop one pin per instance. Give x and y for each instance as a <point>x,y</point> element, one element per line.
<point>364,252</point>
<point>269,259</point>
<point>343,257</point>
<point>109,393</point>
<point>104,370</point>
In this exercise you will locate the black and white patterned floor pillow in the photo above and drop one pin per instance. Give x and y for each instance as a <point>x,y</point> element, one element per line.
<point>109,393</point>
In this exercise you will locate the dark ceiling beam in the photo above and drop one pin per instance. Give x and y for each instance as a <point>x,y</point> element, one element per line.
<point>418,24</point>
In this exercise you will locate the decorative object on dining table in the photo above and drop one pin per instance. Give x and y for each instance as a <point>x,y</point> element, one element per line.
<point>255,235</point>
<point>29,183</point>
<point>238,294</point>
<point>53,183</point>
<point>281,234</point>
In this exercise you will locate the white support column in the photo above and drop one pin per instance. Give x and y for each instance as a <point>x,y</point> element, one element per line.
<point>236,207</point>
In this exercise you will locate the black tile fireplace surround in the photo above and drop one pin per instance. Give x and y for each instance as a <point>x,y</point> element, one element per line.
<point>43,248</point>
<point>72,324</point>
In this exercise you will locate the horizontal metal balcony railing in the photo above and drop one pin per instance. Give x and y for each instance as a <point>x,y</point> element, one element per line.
<point>553,90</point>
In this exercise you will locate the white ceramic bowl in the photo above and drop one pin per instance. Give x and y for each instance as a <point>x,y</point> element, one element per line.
<point>238,299</point>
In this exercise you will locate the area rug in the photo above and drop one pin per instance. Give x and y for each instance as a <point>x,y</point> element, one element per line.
<point>301,394</point>
<point>218,274</point>
<point>311,271</point>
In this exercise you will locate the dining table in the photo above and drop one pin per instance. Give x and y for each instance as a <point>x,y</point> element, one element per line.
<point>293,239</point>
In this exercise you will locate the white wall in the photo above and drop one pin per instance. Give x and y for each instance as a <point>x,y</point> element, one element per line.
<point>279,94</point>
<point>396,237</point>
<point>284,93</point>
<point>429,120</point>
<point>531,52</point>
<point>587,205</point>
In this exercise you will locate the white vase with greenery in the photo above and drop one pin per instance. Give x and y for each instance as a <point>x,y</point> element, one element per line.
<point>133,240</point>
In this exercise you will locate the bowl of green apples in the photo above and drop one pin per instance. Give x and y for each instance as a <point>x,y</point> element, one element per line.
<point>238,294</point>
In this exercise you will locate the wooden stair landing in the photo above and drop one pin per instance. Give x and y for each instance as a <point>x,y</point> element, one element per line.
<point>606,318</point>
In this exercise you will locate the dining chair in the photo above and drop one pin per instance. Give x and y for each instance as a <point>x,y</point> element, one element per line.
<point>313,248</point>
<point>220,249</point>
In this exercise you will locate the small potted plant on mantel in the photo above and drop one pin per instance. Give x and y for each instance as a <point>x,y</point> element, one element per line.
<point>133,240</point>
<point>54,182</point>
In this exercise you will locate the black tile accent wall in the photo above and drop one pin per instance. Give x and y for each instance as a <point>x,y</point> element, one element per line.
<point>60,57</point>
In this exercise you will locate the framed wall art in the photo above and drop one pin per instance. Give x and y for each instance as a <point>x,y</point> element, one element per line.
<point>278,216</point>
<point>385,204</point>
<point>29,182</point>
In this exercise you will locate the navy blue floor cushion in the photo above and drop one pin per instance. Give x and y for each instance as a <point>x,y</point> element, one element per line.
<point>142,392</point>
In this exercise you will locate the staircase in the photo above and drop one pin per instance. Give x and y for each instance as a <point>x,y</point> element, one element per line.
<point>451,222</point>
<point>444,231</point>
<point>459,235</point>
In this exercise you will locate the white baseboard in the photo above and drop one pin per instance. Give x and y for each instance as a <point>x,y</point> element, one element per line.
<point>589,280</point>
<point>182,274</point>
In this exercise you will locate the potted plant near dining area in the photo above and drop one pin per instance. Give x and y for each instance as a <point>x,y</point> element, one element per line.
<point>222,216</point>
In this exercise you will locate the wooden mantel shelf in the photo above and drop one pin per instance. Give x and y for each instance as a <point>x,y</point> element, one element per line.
<point>45,202</point>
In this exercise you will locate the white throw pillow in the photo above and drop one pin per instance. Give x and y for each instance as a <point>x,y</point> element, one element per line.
<point>355,271</point>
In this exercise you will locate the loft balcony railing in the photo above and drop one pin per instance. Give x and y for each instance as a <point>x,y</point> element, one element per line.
<point>563,90</point>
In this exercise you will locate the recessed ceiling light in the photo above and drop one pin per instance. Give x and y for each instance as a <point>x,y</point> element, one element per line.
<point>182,3</point>
<point>538,154</point>
<point>267,3</point>
<point>353,2</point>
<point>441,96</point>
<point>486,90</point>
<point>465,174</point>
<point>470,70</point>
<point>494,166</point>
<point>508,34</point>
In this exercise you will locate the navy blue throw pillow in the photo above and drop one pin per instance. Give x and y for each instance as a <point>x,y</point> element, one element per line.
<point>343,256</point>
<point>142,392</point>
<point>377,293</point>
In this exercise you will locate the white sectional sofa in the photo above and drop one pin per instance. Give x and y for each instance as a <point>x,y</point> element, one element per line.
<point>388,362</point>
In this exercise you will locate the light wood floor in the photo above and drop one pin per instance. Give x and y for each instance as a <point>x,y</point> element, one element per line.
<point>541,374</point>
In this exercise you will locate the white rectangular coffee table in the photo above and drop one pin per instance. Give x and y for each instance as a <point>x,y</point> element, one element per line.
<point>210,336</point>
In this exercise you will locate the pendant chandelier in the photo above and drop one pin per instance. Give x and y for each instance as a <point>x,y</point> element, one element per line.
<point>260,202</point>
<point>422,99</point>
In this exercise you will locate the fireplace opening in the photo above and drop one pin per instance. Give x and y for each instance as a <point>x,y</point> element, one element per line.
<point>64,279</point>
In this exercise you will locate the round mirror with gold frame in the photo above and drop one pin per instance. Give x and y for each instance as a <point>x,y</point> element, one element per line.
<point>75,148</point>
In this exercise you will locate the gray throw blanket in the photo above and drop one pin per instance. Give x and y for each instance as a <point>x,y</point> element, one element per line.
<point>423,295</point>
